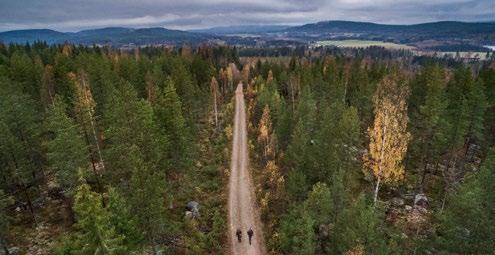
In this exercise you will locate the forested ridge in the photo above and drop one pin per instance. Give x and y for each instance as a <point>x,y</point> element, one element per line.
<point>101,150</point>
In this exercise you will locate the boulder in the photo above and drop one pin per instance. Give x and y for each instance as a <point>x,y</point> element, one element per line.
<point>397,202</point>
<point>421,200</point>
<point>14,250</point>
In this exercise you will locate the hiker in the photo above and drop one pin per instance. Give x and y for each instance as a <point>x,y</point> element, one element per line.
<point>250,234</point>
<point>238,233</point>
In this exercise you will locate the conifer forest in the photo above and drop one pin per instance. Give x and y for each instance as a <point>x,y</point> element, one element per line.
<point>342,151</point>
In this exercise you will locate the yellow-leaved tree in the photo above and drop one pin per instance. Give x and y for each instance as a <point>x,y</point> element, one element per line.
<point>265,136</point>
<point>388,135</point>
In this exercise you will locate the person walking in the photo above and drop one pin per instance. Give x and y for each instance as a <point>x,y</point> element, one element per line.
<point>250,234</point>
<point>238,233</point>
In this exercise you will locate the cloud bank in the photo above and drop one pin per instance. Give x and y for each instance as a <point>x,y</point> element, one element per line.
<point>74,15</point>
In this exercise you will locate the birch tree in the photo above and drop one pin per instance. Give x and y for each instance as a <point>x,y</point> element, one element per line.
<point>388,135</point>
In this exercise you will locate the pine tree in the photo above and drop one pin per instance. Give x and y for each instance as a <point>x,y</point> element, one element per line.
<point>296,233</point>
<point>468,222</point>
<point>95,235</point>
<point>388,136</point>
<point>186,89</point>
<point>146,198</point>
<point>129,123</point>
<point>20,142</point>
<point>429,124</point>
<point>319,204</point>
<point>122,219</point>
<point>169,117</point>
<point>466,112</point>
<point>360,225</point>
<point>301,150</point>
<point>85,112</point>
<point>67,152</point>
<point>337,142</point>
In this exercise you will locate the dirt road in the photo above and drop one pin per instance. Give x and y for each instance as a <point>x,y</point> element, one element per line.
<point>243,212</point>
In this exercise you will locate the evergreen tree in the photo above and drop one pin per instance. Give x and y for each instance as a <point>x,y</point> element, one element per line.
<point>319,204</point>
<point>466,111</point>
<point>129,123</point>
<point>122,219</point>
<point>468,222</point>
<point>85,113</point>
<point>296,233</point>
<point>95,235</point>
<point>146,198</point>
<point>169,117</point>
<point>301,150</point>
<point>186,89</point>
<point>429,123</point>
<point>20,143</point>
<point>359,225</point>
<point>337,143</point>
<point>67,152</point>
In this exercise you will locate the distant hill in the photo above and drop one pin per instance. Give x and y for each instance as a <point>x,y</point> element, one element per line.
<point>251,29</point>
<point>437,28</point>
<point>446,35</point>
<point>116,36</point>
<point>445,32</point>
<point>31,35</point>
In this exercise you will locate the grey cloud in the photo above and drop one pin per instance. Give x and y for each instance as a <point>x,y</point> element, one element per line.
<point>71,15</point>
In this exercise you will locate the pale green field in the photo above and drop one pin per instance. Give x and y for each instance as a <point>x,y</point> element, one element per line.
<point>363,44</point>
<point>462,54</point>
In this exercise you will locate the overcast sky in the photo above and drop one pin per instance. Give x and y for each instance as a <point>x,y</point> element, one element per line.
<point>74,15</point>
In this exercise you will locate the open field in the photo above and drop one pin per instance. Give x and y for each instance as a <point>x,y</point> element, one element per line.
<point>464,54</point>
<point>363,44</point>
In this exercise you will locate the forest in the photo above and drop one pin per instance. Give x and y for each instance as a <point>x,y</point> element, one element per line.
<point>361,152</point>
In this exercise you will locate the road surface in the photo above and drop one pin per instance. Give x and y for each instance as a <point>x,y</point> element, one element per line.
<point>243,212</point>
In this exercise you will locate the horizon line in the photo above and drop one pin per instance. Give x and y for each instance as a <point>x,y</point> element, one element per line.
<point>246,25</point>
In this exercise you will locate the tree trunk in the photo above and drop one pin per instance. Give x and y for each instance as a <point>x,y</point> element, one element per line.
<point>377,187</point>
<point>30,204</point>
<point>69,211</point>
<point>97,142</point>
<point>215,107</point>
<point>93,166</point>
<point>382,155</point>
<point>21,184</point>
